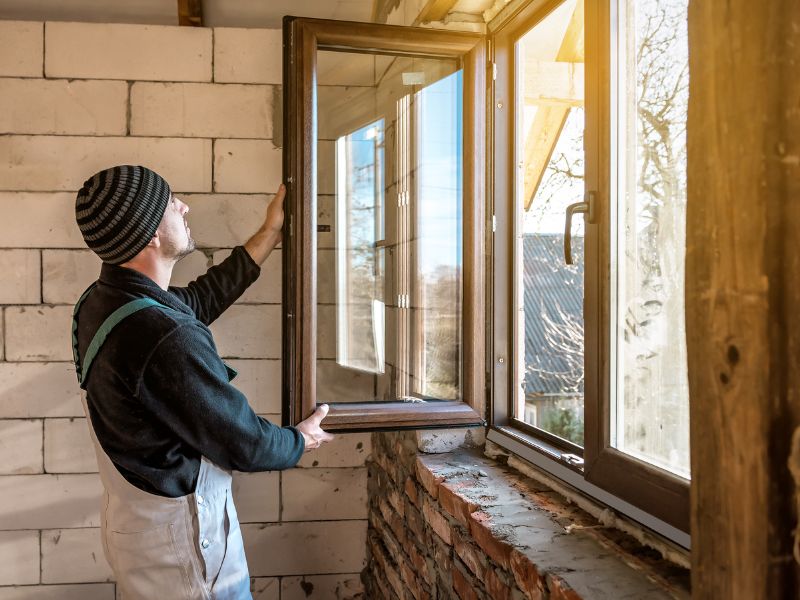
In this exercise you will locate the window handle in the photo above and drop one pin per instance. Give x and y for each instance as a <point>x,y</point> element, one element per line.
<point>586,207</point>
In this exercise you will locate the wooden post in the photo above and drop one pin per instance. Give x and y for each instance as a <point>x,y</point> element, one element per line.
<point>743,294</point>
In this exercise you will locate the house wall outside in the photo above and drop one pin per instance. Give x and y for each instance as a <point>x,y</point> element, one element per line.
<point>196,105</point>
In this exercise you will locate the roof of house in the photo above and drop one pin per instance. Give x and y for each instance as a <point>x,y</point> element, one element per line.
<point>553,301</point>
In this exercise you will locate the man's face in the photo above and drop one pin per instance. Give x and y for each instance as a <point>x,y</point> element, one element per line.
<point>176,239</point>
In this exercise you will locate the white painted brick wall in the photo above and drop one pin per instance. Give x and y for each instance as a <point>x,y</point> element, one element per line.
<point>39,220</point>
<point>321,586</point>
<point>37,389</point>
<point>346,450</point>
<point>88,591</point>
<point>246,166</point>
<point>64,107</point>
<point>225,220</point>
<point>260,381</point>
<point>27,40</point>
<point>264,588</point>
<point>19,557</point>
<point>247,55</point>
<point>249,331</point>
<point>324,494</point>
<point>116,51</point>
<point>68,447</point>
<point>21,446</point>
<point>201,110</point>
<point>257,496</point>
<point>38,333</point>
<point>319,547</point>
<point>49,501</point>
<point>73,556</point>
<point>20,277</point>
<point>55,163</point>
<point>137,94</point>
<point>67,273</point>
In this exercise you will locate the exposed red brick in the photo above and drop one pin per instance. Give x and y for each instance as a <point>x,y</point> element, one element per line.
<point>395,522</point>
<point>481,529</point>
<point>418,561</point>
<point>384,508</point>
<point>413,583</point>
<point>453,501</point>
<point>442,554</point>
<point>389,571</point>
<point>463,586</point>
<point>376,587</point>
<point>429,480</point>
<point>496,587</point>
<point>469,554</point>
<point>437,521</point>
<point>386,591</point>
<point>391,545</point>
<point>381,459</point>
<point>397,503</point>
<point>416,525</point>
<point>560,590</point>
<point>405,451</point>
<point>527,577</point>
<point>411,491</point>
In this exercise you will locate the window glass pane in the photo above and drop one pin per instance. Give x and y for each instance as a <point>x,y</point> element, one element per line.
<point>651,411</point>
<point>389,258</point>
<point>359,262</point>
<point>549,177</point>
<point>438,239</point>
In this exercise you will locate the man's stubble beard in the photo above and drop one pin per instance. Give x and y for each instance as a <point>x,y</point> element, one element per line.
<point>188,249</point>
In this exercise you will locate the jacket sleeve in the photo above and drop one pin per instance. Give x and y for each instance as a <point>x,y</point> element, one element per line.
<point>212,293</point>
<point>185,384</point>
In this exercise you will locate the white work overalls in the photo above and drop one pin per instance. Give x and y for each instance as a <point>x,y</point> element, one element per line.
<point>161,548</point>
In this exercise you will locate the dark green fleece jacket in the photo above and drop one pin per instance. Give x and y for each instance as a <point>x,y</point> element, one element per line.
<point>159,395</point>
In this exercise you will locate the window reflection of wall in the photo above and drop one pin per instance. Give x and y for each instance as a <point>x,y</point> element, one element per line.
<point>389,240</point>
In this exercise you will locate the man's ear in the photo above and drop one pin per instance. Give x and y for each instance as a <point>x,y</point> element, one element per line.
<point>155,241</point>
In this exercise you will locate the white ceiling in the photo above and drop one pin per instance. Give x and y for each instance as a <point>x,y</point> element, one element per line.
<point>216,13</point>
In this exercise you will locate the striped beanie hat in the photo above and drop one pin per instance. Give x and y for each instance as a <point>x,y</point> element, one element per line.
<point>119,209</point>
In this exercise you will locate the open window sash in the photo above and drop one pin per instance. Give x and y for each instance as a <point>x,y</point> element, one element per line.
<point>406,315</point>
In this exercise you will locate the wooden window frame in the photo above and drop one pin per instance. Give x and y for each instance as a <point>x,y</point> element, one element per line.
<point>651,495</point>
<point>302,38</point>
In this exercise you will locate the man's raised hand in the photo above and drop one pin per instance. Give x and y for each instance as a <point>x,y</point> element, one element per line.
<point>270,233</point>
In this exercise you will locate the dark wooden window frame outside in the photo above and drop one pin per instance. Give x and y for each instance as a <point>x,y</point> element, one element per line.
<point>648,488</point>
<point>302,38</point>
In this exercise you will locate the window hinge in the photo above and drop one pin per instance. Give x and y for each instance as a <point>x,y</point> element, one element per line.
<point>494,223</point>
<point>572,459</point>
<point>494,71</point>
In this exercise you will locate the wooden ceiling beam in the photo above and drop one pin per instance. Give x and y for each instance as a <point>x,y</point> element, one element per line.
<point>190,13</point>
<point>549,120</point>
<point>435,10</point>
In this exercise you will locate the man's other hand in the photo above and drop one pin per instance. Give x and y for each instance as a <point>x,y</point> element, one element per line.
<point>273,222</point>
<point>271,232</point>
<point>312,432</point>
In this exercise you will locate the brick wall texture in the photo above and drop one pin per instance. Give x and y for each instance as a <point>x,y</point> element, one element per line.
<point>460,526</point>
<point>197,105</point>
<point>420,545</point>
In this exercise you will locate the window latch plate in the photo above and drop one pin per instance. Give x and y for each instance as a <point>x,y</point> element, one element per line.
<point>572,459</point>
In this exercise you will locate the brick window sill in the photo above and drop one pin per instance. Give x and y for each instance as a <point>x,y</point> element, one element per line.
<point>466,523</point>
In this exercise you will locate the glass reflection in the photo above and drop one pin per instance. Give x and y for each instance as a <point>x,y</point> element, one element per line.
<point>389,185</point>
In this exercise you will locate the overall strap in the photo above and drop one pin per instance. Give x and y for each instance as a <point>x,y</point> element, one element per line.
<point>100,336</point>
<point>75,355</point>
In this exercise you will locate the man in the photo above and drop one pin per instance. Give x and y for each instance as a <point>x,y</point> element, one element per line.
<point>167,424</point>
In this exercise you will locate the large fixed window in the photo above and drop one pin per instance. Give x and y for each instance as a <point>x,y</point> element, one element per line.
<point>383,252</point>
<point>589,375</point>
